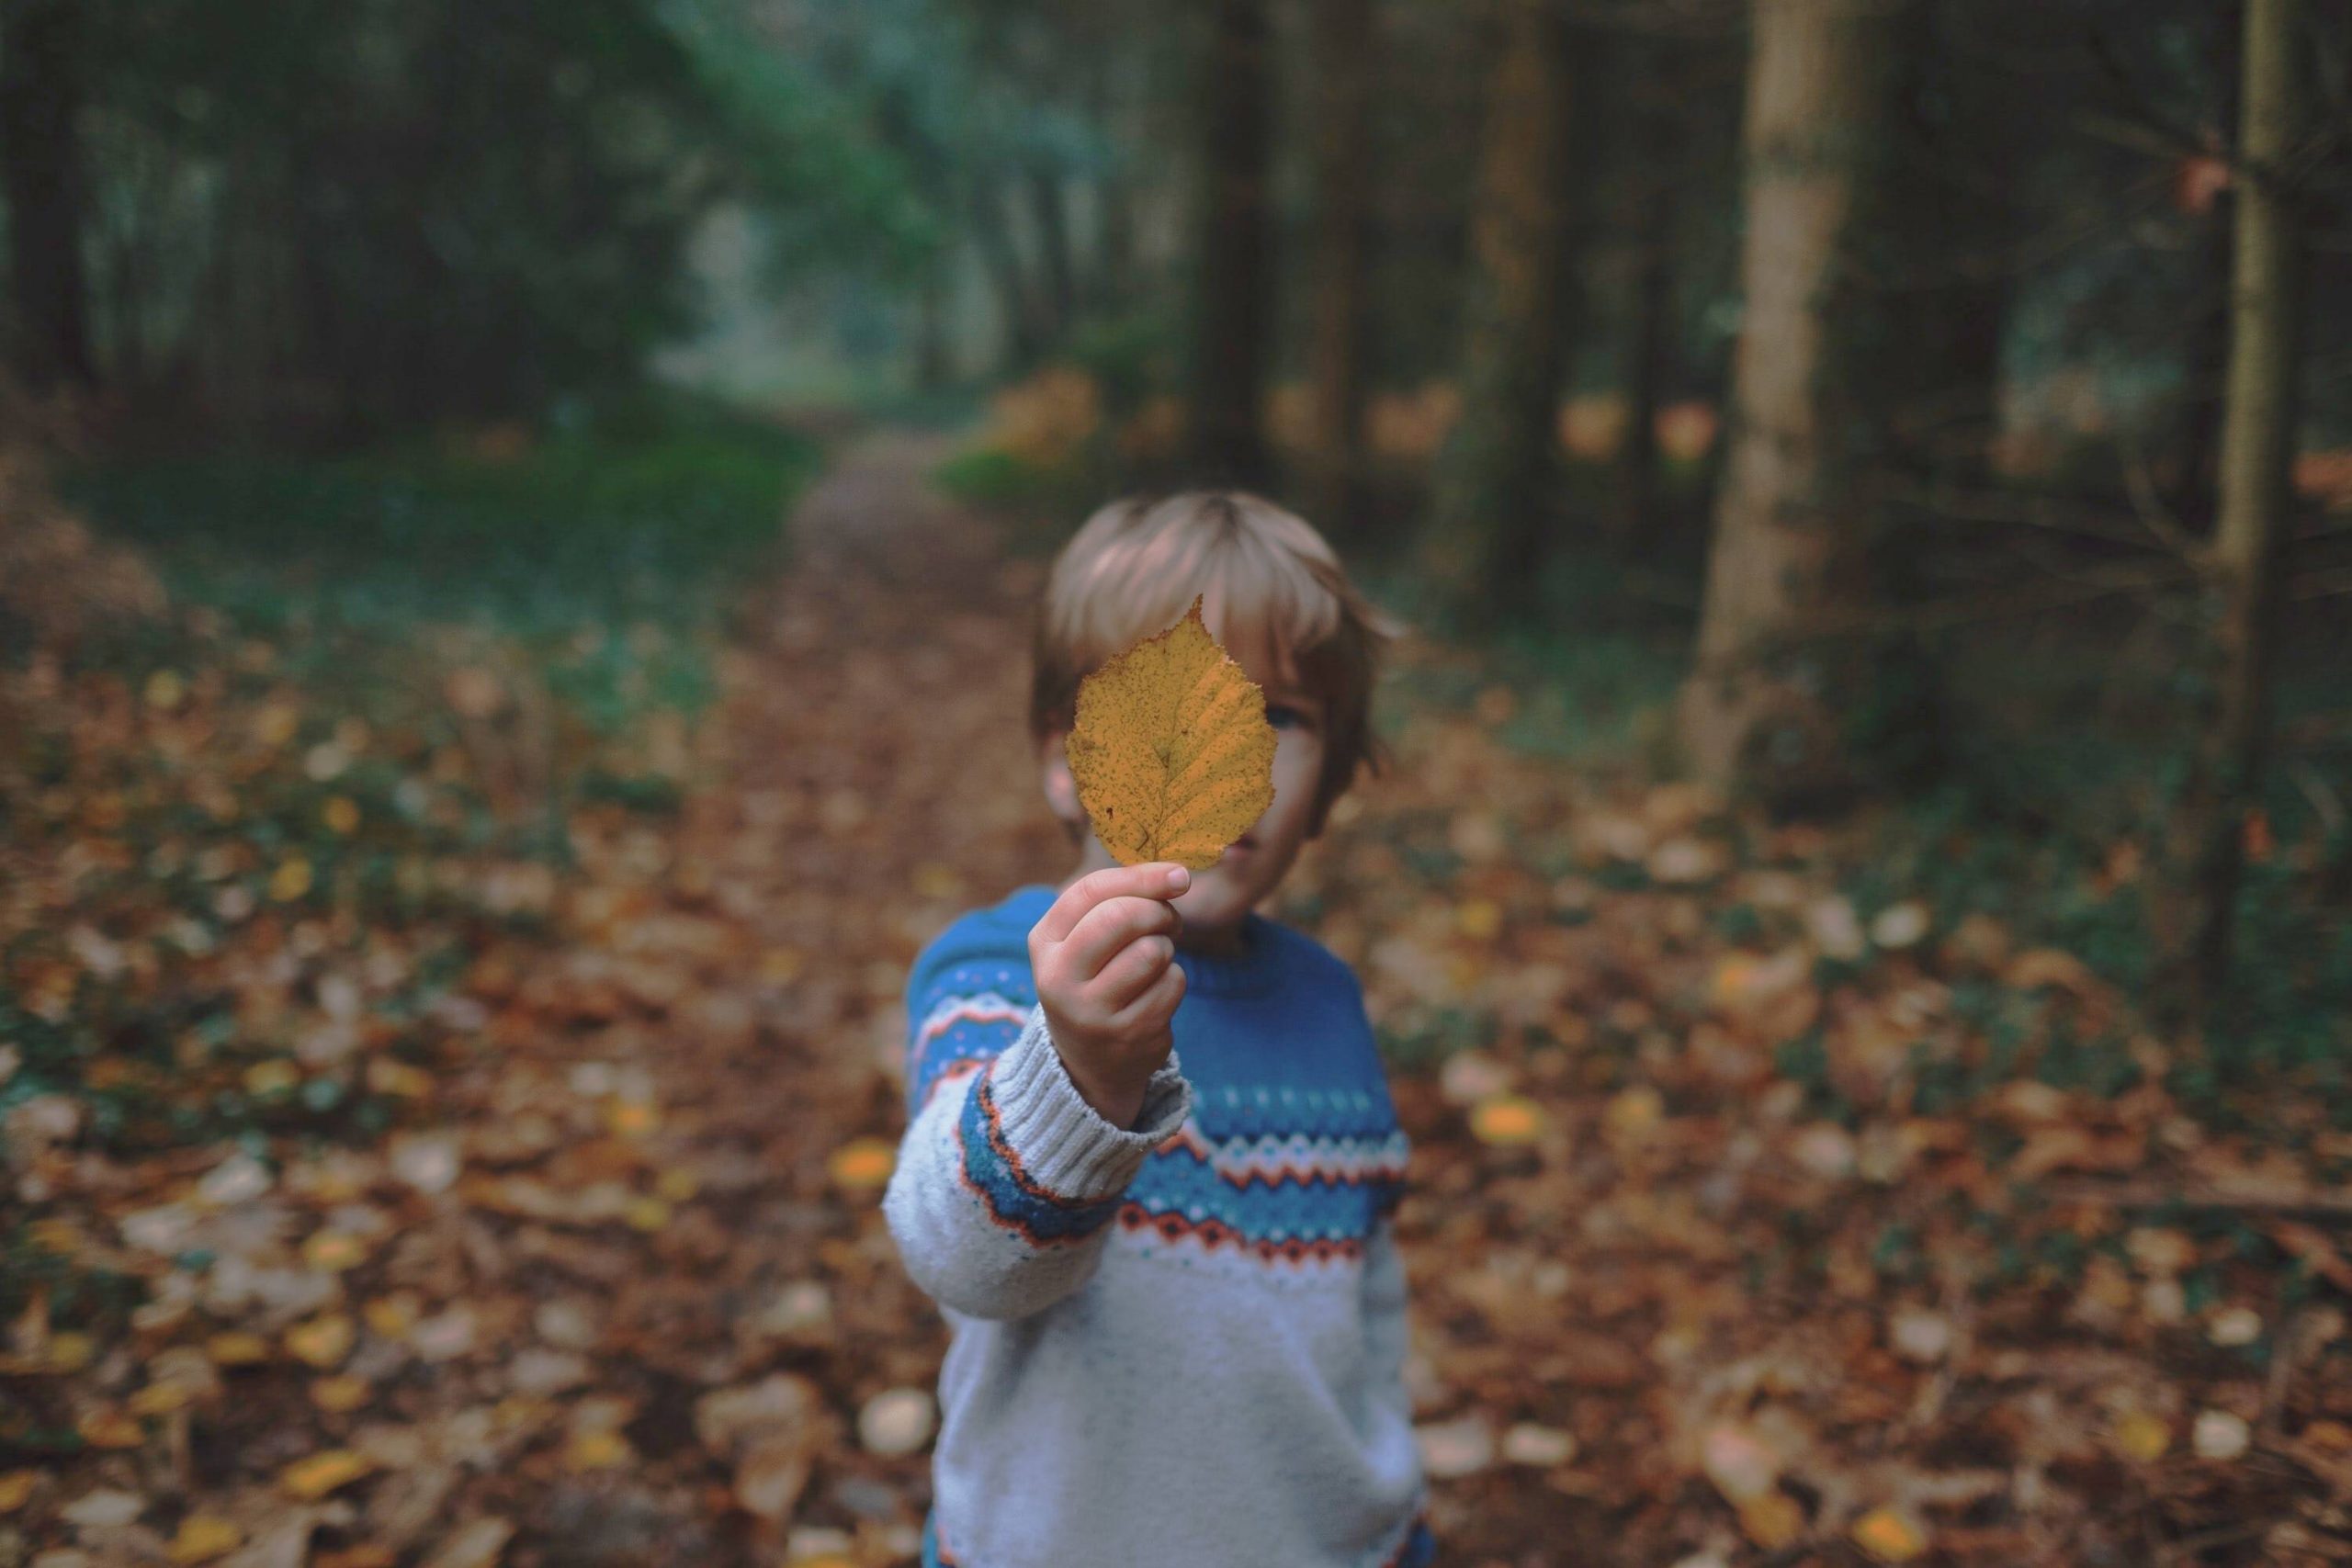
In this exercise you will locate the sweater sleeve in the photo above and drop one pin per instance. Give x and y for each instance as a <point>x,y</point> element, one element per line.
<point>1006,1177</point>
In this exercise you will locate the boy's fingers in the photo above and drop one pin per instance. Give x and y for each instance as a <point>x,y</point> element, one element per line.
<point>1110,928</point>
<point>1157,1003</point>
<point>1131,970</point>
<point>1154,879</point>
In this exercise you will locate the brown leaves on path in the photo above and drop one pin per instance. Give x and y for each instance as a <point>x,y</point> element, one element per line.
<point>1733,1239</point>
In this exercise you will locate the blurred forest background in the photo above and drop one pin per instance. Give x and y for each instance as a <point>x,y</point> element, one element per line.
<point>1872,480</point>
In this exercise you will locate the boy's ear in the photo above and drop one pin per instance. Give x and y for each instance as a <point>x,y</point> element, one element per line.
<point>1061,790</point>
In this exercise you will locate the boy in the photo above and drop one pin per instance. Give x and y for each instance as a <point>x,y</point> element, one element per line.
<point>1161,1232</point>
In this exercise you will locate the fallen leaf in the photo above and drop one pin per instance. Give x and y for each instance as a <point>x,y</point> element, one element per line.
<point>107,1508</point>
<point>897,1421</point>
<point>1171,752</point>
<point>2143,1436</point>
<point>110,1429</point>
<point>312,1478</point>
<point>1890,1534</point>
<point>17,1489</point>
<point>1506,1120</point>
<point>337,1395</point>
<point>477,1544</point>
<point>1452,1449</point>
<point>2218,1434</point>
<point>322,1342</point>
<point>203,1537</point>
<point>1539,1447</point>
<point>597,1449</point>
<point>1740,1464</point>
<point>1772,1520</point>
<point>862,1164</point>
<point>772,1474</point>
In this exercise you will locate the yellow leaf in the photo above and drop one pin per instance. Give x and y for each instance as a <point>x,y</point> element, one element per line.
<point>160,1399</point>
<point>1171,753</point>
<point>337,1394</point>
<point>1890,1536</point>
<point>58,1236</point>
<point>1634,1113</point>
<point>237,1348</point>
<point>332,1252</point>
<point>272,1076</point>
<point>862,1164</point>
<point>290,880</point>
<point>1480,920</point>
<point>648,1215</point>
<point>392,1316</point>
<point>781,966</point>
<point>322,1342</point>
<point>631,1118</point>
<point>165,689</point>
<point>314,1477</point>
<point>598,1449</point>
<point>17,1489</point>
<point>1771,1519</point>
<point>1506,1120</point>
<point>71,1351</point>
<point>2143,1436</point>
<point>677,1186</point>
<point>203,1537</point>
<point>109,1429</point>
<point>341,814</point>
<point>388,1076</point>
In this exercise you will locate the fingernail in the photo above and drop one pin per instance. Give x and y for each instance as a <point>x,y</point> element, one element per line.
<point>1178,877</point>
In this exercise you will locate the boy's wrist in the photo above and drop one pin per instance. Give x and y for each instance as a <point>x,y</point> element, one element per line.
<point>1119,1103</point>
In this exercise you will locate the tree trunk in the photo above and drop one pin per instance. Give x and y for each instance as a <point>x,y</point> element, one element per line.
<point>1637,475</point>
<point>1794,520</point>
<point>2195,481</point>
<point>1226,442</point>
<point>2257,466</point>
<point>1049,208</point>
<point>1024,331</point>
<point>1650,353</point>
<point>1494,503</point>
<point>1343,312</point>
<point>934,360</point>
<point>40,98</point>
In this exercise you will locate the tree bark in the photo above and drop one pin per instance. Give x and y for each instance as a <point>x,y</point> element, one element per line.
<point>1024,331</point>
<point>1048,206</point>
<point>40,165</point>
<point>1226,440</point>
<point>1495,504</point>
<point>1341,352</point>
<point>1660,110</point>
<point>1637,468</point>
<point>1794,519</point>
<point>2257,468</point>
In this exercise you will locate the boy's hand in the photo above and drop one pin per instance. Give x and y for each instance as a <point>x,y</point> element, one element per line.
<point>1105,961</point>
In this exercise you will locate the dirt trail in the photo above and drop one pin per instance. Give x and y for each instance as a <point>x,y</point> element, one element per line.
<point>866,778</point>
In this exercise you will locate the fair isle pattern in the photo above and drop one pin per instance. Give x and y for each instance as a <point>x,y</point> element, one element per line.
<point>1014,1197</point>
<point>1271,1159</point>
<point>1417,1549</point>
<point>974,1011</point>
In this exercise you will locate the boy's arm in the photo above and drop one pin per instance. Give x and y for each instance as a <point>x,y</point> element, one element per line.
<point>1007,1179</point>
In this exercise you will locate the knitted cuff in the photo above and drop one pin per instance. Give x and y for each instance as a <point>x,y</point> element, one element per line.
<point>1058,1141</point>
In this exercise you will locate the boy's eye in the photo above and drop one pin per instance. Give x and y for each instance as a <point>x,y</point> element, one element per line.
<point>1282,716</point>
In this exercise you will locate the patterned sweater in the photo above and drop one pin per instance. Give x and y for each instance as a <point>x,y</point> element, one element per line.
<point>1175,1347</point>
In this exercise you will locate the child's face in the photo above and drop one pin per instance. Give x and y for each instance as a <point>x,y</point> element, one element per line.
<point>1253,865</point>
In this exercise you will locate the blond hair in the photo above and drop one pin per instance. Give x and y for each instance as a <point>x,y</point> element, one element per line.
<point>1269,585</point>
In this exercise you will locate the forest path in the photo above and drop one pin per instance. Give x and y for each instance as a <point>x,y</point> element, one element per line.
<point>1653,1265</point>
